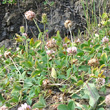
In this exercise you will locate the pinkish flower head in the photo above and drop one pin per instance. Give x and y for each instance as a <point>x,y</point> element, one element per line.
<point>71,50</point>
<point>107,100</point>
<point>0,55</point>
<point>50,52</point>
<point>65,45</point>
<point>24,107</point>
<point>24,34</point>
<point>105,40</point>
<point>30,15</point>
<point>3,108</point>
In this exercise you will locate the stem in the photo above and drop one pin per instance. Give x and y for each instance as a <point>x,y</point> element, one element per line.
<point>71,35</point>
<point>15,65</point>
<point>37,26</point>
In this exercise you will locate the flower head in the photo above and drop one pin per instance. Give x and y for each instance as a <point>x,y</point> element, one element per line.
<point>93,62</point>
<point>30,15</point>
<point>50,52</point>
<point>105,40</point>
<point>3,108</point>
<point>71,50</point>
<point>24,107</point>
<point>107,100</point>
<point>51,43</point>
<point>68,23</point>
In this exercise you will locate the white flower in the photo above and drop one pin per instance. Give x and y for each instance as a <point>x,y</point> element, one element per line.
<point>30,15</point>
<point>105,40</point>
<point>96,35</point>
<point>24,107</point>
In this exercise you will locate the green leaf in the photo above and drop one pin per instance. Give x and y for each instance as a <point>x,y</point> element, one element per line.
<point>83,68</point>
<point>92,92</point>
<point>40,104</point>
<point>37,43</point>
<point>80,82</point>
<point>53,73</point>
<point>36,72</point>
<point>1,98</point>
<point>71,105</point>
<point>104,57</point>
<point>62,107</point>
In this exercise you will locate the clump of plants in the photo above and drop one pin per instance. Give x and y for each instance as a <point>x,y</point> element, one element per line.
<point>71,73</point>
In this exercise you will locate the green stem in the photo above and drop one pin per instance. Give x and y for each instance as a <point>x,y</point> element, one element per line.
<point>37,26</point>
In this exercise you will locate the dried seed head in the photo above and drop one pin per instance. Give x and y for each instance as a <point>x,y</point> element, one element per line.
<point>107,100</point>
<point>44,18</point>
<point>7,54</point>
<point>100,81</point>
<point>68,23</point>
<point>30,15</point>
<point>93,62</point>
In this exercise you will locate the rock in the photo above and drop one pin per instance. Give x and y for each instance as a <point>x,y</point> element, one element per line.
<point>12,16</point>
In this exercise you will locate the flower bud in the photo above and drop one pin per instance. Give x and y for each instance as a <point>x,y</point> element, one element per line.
<point>44,18</point>
<point>22,30</point>
<point>68,23</point>
<point>30,15</point>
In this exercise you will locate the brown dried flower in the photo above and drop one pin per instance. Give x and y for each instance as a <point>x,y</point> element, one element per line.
<point>93,62</point>
<point>30,15</point>
<point>45,82</point>
<point>7,54</point>
<point>68,23</point>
